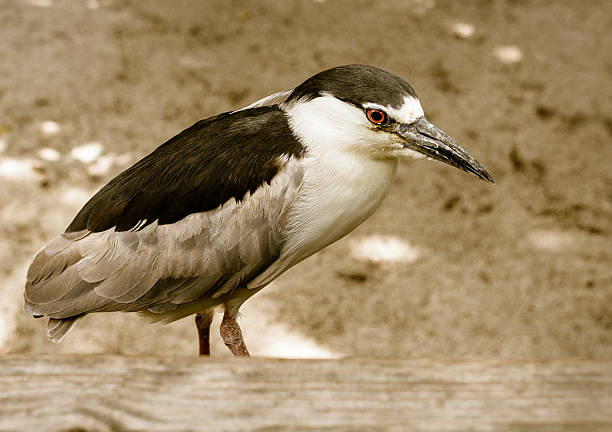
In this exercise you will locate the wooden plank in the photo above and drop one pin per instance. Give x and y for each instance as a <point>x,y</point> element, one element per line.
<point>107,393</point>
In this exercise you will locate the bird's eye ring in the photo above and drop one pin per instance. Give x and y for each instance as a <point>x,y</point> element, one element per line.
<point>376,116</point>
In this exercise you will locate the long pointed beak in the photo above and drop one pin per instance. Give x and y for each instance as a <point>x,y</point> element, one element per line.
<point>425,138</point>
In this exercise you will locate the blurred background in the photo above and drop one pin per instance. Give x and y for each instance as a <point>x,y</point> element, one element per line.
<point>448,267</point>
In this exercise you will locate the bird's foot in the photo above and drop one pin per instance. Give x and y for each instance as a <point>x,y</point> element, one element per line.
<point>203,321</point>
<point>232,336</point>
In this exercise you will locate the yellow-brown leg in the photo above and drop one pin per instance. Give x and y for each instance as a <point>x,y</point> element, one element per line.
<point>202,321</point>
<point>232,335</point>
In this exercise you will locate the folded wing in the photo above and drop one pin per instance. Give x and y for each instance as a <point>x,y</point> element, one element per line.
<point>179,230</point>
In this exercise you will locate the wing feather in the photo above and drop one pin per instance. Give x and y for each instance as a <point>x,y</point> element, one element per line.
<point>58,329</point>
<point>52,288</point>
<point>193,288</point>
<point>179,230</point>
<point>86,302</point>
<point>273,99</point>
<point>163,268</point>
<point>53,260</point>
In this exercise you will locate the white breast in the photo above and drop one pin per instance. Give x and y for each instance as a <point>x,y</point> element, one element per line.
<point>338,193</point>
<point>343,180</point>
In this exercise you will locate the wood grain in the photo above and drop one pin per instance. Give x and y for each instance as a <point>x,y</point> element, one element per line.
<point>108,393</point>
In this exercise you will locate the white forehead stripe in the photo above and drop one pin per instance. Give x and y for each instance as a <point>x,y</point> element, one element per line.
<point>408,112</point>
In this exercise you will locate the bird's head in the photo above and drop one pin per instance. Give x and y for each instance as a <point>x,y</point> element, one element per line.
<point>365,109</point>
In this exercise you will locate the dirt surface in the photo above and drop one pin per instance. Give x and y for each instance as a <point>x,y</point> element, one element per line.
<point>448,267</point>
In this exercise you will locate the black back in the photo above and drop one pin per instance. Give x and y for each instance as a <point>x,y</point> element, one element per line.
<point>355,84</point>
<point>201,168</point>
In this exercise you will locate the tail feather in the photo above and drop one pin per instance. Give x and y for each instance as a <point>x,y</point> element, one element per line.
<point>58,329</point>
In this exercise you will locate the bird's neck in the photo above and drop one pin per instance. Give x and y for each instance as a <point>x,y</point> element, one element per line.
<point>340,190</point>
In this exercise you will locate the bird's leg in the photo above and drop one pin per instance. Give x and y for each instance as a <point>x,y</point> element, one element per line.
<point>232,335</point>
<point>202,321</point>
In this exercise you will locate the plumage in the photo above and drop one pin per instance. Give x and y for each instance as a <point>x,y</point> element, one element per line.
<point>58,329</point>
<point>355,84</point>
<point>198,170</point>
<point>226,206</point>
<point>131,270</point>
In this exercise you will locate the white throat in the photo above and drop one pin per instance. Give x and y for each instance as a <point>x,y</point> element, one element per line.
<point>341,187</point>
<point>327,124</point>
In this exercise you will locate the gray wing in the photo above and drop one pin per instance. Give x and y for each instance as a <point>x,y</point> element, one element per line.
<point>163,268</point>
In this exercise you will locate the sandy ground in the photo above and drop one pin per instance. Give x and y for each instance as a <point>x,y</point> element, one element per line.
<point>448,267</point>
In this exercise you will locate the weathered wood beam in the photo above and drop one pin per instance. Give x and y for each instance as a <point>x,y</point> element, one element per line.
<point>108,393</point>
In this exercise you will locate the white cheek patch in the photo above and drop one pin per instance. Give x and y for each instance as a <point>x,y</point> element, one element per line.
<point>408,112</point>
<point>327,123</point>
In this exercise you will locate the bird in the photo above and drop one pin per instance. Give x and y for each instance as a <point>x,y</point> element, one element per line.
<point>217,212</point>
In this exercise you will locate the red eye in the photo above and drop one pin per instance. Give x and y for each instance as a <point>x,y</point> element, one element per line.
<point>376,116</point>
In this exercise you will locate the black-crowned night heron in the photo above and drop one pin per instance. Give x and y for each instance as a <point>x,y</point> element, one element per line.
<point>225,207</point>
